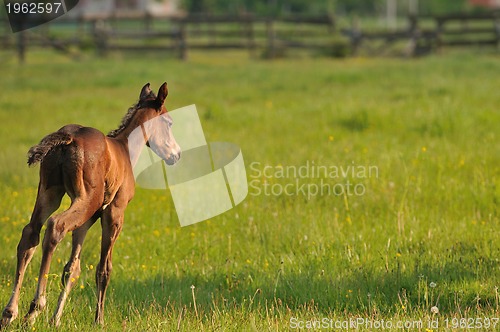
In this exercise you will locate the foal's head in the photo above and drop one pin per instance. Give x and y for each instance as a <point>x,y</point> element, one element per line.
<point>156,124</point>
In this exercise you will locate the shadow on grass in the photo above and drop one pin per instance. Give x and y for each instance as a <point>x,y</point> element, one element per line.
<point>453,287</point>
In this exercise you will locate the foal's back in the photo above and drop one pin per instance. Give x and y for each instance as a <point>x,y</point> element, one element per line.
<point>82,159</point>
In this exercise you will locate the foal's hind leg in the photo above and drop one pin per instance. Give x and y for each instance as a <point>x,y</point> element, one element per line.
<point>47,201</point>
<point>72,269</point>
<point>78,213</point>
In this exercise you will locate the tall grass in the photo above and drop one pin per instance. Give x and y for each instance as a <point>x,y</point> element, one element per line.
<point>424,233</point>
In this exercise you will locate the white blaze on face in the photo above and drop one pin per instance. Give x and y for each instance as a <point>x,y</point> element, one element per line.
<point>208,180</point>
<point>157,133</point>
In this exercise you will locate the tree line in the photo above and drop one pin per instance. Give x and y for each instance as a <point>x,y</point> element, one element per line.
<point>341,7</point>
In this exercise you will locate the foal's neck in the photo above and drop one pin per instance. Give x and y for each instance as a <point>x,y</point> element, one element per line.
<point>134,142</point>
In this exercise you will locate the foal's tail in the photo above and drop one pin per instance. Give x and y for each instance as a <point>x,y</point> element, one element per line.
<point>38,152</point>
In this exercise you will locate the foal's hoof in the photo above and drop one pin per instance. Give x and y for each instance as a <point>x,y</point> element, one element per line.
<point>5,321</point>
<point>55,321</point>
<point>7,317</point>
<point>99,321</point>
<point>29,319</point>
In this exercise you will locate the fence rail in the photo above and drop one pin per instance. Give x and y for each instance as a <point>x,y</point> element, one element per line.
<point>272,36</point>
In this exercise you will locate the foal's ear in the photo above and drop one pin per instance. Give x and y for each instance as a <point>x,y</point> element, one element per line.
<point>162,93</point>
<point>145,92</point>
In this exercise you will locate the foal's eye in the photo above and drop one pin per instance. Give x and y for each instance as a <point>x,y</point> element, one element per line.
<point>169,122</point>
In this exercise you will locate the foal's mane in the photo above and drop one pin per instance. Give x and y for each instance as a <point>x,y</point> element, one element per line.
<point>148,101</point>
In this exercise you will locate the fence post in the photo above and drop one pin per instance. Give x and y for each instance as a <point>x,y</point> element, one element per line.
<point>414,36</point>
<point>496,22</point>
<point>212,30</point>
<point>356,36</point>
<point>100,33</point>
<point>21,46</point>
<point>271,36</point>
<point>250,36</point>
<point>80,31</point>
<point>439,33</point>
<point>182,42</point>
<point>148,21</point>
<point>331,23</point>
<point>5,36</point>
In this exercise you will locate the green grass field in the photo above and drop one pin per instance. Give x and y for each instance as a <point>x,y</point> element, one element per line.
<point>424,233</point>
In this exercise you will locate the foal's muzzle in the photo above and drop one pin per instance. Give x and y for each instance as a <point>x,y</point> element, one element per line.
<point>173,158</point>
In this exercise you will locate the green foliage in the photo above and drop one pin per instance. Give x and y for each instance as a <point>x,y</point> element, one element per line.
<point>359,7</point>
<point>263,7</point>
<point>424,234</point>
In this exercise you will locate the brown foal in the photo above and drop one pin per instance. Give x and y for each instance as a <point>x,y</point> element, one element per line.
<point>95,171</point>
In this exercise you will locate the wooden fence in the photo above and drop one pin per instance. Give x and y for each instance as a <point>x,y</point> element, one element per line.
<point>272,37</point>
<point>466,30</point>
<point>211,32</point>
<point>444,31</point>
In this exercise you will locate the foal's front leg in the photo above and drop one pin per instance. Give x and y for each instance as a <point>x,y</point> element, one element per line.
<point>112,222</point>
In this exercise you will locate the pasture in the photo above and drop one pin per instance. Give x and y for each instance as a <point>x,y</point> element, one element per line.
<point>424,232</point>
